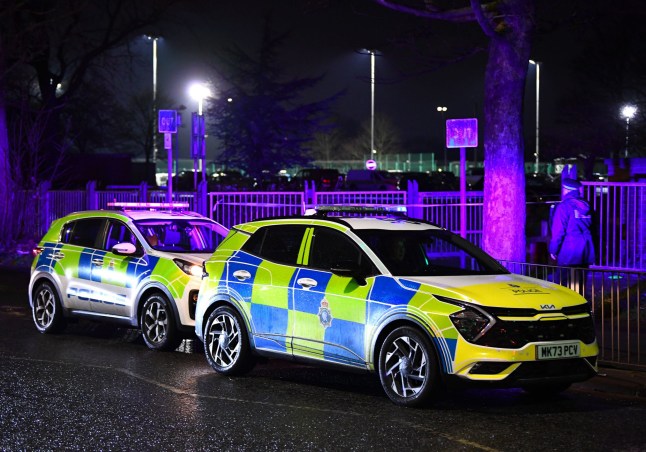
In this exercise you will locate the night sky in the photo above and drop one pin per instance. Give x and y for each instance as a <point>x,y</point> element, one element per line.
<point>326,38</point>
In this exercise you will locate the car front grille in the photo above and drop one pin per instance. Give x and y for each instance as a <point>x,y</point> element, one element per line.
<point>516,334</point>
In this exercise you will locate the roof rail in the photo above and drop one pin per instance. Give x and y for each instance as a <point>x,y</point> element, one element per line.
<point>324,210</point>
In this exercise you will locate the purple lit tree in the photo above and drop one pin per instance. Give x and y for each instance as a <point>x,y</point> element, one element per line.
<point>509,26</point>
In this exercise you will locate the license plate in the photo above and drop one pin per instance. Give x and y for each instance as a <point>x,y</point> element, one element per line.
<point>558,351</point>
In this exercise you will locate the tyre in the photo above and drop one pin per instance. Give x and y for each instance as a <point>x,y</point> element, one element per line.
<point>408,368</point>
<point>47,311</point>
<point>158,324</point>
<point>546,389</point>
<point>226,343</point>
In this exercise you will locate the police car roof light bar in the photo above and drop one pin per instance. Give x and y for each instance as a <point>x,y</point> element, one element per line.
<point>149,205</point>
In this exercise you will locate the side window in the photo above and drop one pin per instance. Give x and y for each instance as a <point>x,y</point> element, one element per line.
<point>332,249</point>
<point>85,233</point>
<point>279,244</point>
<point>254,244</point>
<point>118,232</point>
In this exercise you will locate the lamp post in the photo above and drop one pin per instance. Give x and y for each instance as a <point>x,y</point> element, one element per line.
<point>198,91</point>
<point>373,151</point>
<point>154,40</point>
<point>442,110</point>
<point>538,87</point>
<point>628,112</point>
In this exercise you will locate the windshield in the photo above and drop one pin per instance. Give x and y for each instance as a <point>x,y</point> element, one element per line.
<point>429,253</point>
<point>179,235</point>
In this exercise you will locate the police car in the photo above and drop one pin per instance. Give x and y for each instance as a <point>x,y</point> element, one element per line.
<point>140,268</point>
<point>404,298</point>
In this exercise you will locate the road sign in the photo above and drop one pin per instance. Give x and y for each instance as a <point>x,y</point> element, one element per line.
<point>462,133</point>
<point>371,165</point>
<point>167,121</point>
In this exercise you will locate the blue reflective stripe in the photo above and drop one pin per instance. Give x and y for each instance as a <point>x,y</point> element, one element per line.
<point>139,269</point>
<point>348,334</point>
<point>387,290</point>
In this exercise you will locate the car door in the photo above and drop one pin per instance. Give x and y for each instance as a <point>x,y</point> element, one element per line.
<point>80,240</point>
<point>329,309</point>
<point>261,275</point>
<point>115,275</point>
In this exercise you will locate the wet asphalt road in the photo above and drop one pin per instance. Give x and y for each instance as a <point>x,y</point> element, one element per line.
<point>99,387</point>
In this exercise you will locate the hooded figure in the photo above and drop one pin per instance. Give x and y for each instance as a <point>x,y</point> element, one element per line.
<point>571,244</point>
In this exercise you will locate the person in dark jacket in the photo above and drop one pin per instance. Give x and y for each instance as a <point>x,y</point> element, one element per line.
<point>571,244</point>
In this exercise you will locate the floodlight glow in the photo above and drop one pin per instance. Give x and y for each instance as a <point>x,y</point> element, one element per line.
<point>198,91</point>
<point>628,111</point>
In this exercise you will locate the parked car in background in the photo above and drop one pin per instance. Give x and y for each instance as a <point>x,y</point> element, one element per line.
<point>324,179</point>
<point>403,298</point>
<point>229,180</point>
<point>137,268</point>
<point>424,181</point>
<point>363,179</point>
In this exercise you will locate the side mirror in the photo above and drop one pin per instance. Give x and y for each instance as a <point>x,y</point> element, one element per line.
<point>124,249</point>
<point>348,272</point>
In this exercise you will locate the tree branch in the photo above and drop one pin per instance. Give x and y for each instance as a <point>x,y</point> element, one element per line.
<point>454,15</point>
<point>483,21</point>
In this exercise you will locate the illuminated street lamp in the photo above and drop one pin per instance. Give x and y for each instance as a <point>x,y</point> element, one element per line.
<point>628,112</point>
<point>372,104</point>
<point>199,92</point>
<point>538,86</point>
<point>442,111</point>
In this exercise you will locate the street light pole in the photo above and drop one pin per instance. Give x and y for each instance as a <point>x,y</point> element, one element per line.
<point>154,40</point>
<point>628,112</point>
<point>372,104</point>
<point>442,110</point>
<point>538,87</point>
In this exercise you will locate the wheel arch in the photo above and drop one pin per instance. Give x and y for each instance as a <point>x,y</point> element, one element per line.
<point>45,277</point>
<point>149,290</point>
<point>392,323</point>
<point>223,300</point>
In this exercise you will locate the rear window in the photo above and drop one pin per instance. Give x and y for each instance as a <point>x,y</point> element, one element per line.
<point>85,233</point>
<point>280,244</point>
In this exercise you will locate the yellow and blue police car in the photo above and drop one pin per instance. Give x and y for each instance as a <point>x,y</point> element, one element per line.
<point>139,268</point>
<point>404,298</point>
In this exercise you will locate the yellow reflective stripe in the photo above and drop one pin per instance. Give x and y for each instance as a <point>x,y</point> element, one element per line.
<point>304,253</point>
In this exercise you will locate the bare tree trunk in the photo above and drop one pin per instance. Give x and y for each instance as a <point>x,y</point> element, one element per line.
<point>504,190</point>
<point>5,175</point>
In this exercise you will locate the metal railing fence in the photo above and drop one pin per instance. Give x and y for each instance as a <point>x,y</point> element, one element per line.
<point>618,302</point>
<point>620,210</point>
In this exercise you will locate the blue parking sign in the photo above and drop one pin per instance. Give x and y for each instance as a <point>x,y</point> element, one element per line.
<point>167,121</point>
<point>462,133</point>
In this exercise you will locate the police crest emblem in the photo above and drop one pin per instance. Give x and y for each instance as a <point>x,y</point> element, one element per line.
<point>325,316</point>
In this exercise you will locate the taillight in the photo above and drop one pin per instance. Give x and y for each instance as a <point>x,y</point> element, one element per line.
<point>37,251</point>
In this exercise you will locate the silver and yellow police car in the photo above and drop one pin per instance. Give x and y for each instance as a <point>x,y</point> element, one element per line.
<point>137,267</point>
<point>400,297</point>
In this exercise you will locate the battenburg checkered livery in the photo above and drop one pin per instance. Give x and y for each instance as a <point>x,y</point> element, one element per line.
<point>402,297</point>
<point>139,268</point>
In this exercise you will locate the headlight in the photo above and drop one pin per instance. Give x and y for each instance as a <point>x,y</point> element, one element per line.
<point>471,322</point>
<point>189,268</point>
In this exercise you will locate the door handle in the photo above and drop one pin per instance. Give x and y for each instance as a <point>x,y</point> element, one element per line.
<point>241,275</point>
<point>98,262</point>
<point>306,283</point>
<point>58,255</point>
